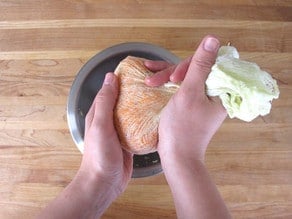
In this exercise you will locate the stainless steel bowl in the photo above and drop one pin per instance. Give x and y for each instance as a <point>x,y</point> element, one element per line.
<point>88,82</point>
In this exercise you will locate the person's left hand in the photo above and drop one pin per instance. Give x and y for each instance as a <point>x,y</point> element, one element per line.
<point>103,158</point>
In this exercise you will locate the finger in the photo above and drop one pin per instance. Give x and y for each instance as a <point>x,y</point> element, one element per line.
<point>155,66</point>
<point>89,117</point>
<point>101,111</point>
<point>128,162</point>
<point>180,71</point>
<point>201,64</point>
<point>160,77</point>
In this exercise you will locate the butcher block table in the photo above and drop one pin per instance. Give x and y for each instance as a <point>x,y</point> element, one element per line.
<point>43,45</point>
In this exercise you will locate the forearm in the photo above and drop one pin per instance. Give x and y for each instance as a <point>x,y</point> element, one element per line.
<point>82,198</point>
<point>194,193</point>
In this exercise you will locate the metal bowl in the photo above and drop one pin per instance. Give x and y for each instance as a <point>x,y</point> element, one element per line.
<point>88,82</point>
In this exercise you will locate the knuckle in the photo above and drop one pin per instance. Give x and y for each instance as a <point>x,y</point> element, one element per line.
<point>101,97</point>
<point>203,63</point>
<point>190,96</point>
<point>105,95</point>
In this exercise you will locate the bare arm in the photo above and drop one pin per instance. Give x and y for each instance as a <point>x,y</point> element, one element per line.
<point>105,169</point>
<point>194,193</point>
<point>187,124</point>
<point>82,198</point>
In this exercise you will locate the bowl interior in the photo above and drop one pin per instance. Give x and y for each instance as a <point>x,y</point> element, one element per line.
<point>88,82</point>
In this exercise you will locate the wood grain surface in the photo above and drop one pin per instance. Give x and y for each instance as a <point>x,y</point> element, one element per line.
<point>43,44</point>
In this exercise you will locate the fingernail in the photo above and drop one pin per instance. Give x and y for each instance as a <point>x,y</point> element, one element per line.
<point>211,44</point>
<point>147,80</point>
<point>146,62</point>
<point>108,79</point>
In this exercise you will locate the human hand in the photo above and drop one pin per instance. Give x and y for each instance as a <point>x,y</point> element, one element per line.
<point>190,118</point>
<point>104,159</point>
<point>187,124</point>
<point>105,168</point>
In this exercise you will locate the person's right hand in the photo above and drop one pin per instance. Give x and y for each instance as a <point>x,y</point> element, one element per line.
<point>190,118</point>
<point>187,124</point>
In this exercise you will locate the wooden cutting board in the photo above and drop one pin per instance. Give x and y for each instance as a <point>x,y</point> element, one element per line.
<point>43,44</point>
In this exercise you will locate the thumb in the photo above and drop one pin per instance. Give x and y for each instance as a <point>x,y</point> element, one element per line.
<point>101,111</point>
<point>200,65</point>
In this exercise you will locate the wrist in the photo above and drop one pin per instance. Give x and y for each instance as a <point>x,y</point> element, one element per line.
<point>182,154</point>
<point>93,183</point>
<point>177,163</point>
<point>93,192</point>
